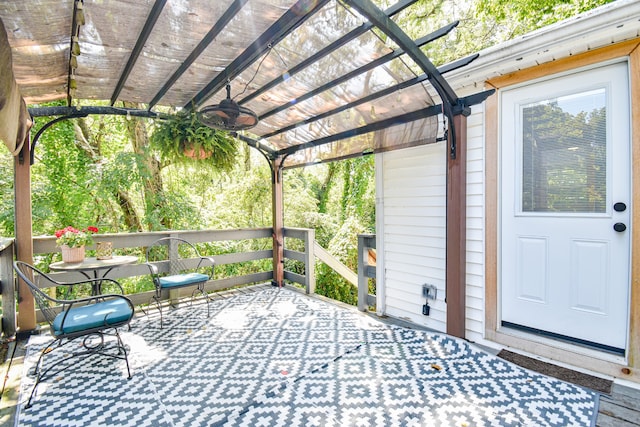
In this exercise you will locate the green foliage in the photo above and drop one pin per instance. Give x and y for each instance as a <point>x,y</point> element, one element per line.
<point>350,210</point>
<point>323,189</point>
<point>343,246</point>
<point>245,199</point>
<point>331,285</point>
<point>171,211</point>
<point>299,199</point>
<point>62,175</point>
<point>122,173</point>
<point>358,196</point>
<point>179,135</point>
<point>483,23</point>
<point>527,15</point>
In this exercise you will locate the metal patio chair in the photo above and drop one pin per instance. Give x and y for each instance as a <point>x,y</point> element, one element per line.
<point>176,263</point>
<point>90,319</point>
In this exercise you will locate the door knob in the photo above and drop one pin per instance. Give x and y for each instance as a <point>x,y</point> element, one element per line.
<point>619,227</point>
<point>619,207</point>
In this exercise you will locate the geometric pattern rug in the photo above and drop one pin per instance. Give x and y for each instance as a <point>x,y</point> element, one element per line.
<point>275,357</point>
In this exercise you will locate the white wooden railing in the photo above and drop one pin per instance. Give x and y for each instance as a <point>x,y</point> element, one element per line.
<point>45,251</point>
<point>366,270</point>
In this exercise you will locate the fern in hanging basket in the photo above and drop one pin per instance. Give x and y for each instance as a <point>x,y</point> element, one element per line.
<point>183,139</point>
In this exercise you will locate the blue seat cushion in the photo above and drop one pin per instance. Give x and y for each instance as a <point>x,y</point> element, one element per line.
<point>91,316</point>
<point>185,279</point>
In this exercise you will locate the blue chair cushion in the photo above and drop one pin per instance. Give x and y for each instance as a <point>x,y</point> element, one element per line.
<point>179,280</point>
<point>93,316</point>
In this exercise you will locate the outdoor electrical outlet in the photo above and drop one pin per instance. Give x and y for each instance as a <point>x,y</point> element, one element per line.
<point>426,309</point>
<point>429,291</point>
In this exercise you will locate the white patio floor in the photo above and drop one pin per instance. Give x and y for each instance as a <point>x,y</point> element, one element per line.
<point>276,357</point>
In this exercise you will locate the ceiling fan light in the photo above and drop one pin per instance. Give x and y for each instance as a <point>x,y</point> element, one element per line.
<point>247,120</point>
<point>228,115</point>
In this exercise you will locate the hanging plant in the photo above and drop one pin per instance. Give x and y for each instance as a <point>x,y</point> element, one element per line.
<point>182,138</point>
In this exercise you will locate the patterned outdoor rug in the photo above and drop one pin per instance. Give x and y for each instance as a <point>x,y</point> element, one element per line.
<point>275,357</point>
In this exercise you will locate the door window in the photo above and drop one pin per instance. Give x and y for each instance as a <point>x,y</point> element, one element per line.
<point>564,154</point>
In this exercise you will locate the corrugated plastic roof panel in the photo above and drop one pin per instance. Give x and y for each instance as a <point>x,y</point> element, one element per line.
<point>190,49</point>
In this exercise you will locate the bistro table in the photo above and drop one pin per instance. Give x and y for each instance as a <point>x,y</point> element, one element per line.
<point>93,268</point>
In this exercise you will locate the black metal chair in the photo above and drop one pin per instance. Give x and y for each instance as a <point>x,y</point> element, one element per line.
<point>90,318</point>
<point>176,263</point>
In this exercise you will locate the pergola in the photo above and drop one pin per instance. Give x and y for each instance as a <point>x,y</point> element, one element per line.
<point>328,80</point>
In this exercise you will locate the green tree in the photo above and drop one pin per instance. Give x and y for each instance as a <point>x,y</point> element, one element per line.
<point>484,23</point>
<point>343,246</point>
<point>62,180</point>
<point>517,17</point>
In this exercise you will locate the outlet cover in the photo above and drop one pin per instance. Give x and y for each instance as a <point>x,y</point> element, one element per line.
<point>429,291</point>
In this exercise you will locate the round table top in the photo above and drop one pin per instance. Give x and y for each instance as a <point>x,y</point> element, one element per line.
<point>94,264</point>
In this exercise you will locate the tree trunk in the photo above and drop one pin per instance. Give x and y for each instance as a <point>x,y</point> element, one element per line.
<point>323,192</point>
<point>152,180</point>
<point>131,219</point>
<point>91,143</point>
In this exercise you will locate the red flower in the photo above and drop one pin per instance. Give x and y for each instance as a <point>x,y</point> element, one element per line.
<point>74,237</point>
<point>64,230</point>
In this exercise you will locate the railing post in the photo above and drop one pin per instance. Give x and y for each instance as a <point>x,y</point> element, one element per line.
<point>363,267</point>
<point>7,284</point>
<point>172,254</point>
<point>310,261</point>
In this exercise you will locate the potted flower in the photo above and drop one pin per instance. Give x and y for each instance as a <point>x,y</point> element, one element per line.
<point>182,138</point>
<point>72,242</point>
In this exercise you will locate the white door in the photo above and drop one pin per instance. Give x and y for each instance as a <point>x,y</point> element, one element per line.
<point>565,207</point>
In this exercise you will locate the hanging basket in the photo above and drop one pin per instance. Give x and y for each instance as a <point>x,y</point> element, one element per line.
<point>72,255</point>
<point>196,153</point>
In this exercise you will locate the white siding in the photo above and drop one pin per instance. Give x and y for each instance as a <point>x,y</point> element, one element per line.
<point>414,197</point>
<point>475,225</point>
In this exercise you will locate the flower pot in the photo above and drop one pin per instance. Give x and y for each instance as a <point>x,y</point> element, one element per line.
<point>72,255</point>
<point>190,151</point>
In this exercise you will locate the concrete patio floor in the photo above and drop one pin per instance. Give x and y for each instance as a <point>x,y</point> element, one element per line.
<point>269,356</point>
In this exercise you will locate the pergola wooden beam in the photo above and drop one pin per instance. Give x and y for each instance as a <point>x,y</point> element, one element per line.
<point>456,251</point>
<point>277,206</point>
<point>24,234</point>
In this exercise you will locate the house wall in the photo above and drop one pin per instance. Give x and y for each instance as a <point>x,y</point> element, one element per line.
<point>412,190</point>
<point>414,232</point>
<point>413,202</point>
